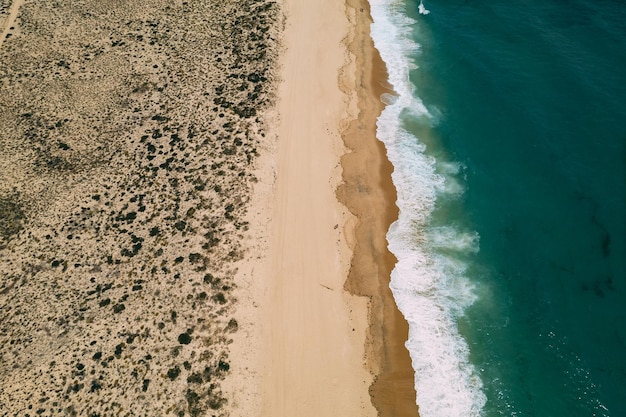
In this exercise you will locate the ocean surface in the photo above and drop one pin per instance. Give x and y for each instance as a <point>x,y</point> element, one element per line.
<point>508,137</point>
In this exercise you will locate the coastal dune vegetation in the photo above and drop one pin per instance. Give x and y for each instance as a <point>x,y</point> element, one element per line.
<point>129,136</point>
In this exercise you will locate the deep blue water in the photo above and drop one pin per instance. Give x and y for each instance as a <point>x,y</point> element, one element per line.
<point>523,138</point>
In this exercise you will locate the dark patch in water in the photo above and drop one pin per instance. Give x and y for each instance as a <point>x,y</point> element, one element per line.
<point>600,286</point>
<point>606,244</point>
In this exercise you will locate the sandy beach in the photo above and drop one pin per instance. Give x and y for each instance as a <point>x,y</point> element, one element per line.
<point>332,339</point>
<point>312,333</point>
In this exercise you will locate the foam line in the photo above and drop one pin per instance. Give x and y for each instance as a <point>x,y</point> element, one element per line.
<point>428,282</point>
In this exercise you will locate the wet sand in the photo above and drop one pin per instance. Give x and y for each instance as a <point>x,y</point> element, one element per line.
<point>370,195</point>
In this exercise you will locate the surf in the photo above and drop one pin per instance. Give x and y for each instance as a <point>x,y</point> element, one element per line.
<point>429,282</point>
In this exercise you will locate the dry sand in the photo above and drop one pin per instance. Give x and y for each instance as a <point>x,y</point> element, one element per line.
<point>311,334</point>
<point>315,334</point>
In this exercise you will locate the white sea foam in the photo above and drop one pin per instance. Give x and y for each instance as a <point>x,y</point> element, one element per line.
<point>451,170</point>
<point>429,281</point>
<point>449,238</point>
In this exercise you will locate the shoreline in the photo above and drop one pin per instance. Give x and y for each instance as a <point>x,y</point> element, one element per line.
<point>393,392</point>
<point>320,333</point>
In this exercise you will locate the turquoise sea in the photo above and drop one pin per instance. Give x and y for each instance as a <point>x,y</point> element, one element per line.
<point>508,137</point>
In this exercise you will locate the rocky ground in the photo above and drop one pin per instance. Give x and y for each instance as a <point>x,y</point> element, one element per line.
<point>128,135</point>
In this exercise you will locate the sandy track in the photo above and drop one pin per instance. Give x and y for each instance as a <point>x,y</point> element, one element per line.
<point>10,20</point>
